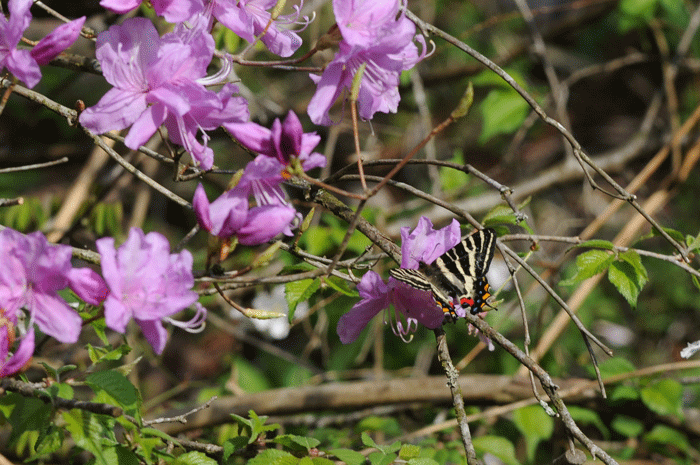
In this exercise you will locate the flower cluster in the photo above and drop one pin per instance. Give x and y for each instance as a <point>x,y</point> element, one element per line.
<point>24,64</point>
<point>157,80</point>
<point>283,150</point>
<point>373,38</point>
<point>142,280</point>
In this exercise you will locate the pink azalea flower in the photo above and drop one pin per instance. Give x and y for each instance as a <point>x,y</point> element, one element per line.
<point>285,141</point>
<point>374,37</point>
<point>158,80</point>
<point>24,64</point>
<point>11,363</point>
<point>146,283</point>
<point>174,11</point>
<point>411,306</point>
<point>32,273</point>
<point>230,215</point>
<point>249,18</point>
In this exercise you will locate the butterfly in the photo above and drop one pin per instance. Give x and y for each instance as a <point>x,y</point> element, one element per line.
<point>459,273</point>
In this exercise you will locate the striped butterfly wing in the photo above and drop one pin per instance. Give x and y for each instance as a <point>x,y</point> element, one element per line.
<point>458,273</point>
<point>462,269</point>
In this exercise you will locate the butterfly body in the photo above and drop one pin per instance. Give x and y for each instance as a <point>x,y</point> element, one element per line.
<point>458,274</point>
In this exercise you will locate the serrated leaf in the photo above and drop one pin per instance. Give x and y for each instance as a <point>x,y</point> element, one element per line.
<point>50,440</point>
<point>627,426</point>
<point>118,389</point>
<point>497,446</point>
<point>349,456</point>
<point>292,441</point>
<point>409,451</point>
<point>273,457</point>
<point>633,258</point>
<point>589,264</point>
<point>91,434</point>
<point>627,281</point>
<point>299,291</point>
<point>664,397</point>
<point>195,458</point>
<point>234,444</point>
<point>502,112</point>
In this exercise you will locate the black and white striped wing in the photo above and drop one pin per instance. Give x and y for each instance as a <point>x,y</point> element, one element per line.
<point>420,281</point>
<point>462,269</point>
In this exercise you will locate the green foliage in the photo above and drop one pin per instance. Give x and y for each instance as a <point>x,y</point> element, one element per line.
<point>627,426</point>
<point>255,426</point>
<point>300,291</point>
<point>535,425</point>
<point>625,270</point>
<point>502,112</point>
<point>664,397</point>
<point>500,447</point>
<point>114,388</point>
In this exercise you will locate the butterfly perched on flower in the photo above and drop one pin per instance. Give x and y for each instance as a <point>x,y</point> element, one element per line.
<point>458,274</point>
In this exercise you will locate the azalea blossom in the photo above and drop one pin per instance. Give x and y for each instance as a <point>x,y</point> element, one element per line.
<point>174,11</point>
<point>158,80</point>
<point>285,142</point>
<point>32,273</point>
<point>147,283</point>
<point>250,18</point>
<point>23,63</point>
<point>11,363</point>
<point>373,38</point>
<point>230,215</point>
<point>411,306</point>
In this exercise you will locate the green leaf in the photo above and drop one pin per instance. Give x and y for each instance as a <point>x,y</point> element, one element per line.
<point>589,264</point>
<point>50,440</point>
<point>299,291</point>
<point>195,458</point>
<point>28,414</point>
<point>378,458</point>
<point>273,457</point>
<point>255,425</point>
<point>422,461</point>
<point>234,444</point>
<point>627,426</point>
<point>409,451</point>
<point>502,448</point>
<point>624,392</point>
<point>628,281</point>
<point>294,442</point>
<point>369,442</point>
<point>502,112</point>
<point>118,389</point>
<point>500,214</point>
<point>664,397</point>
<point>596,244</point>
<point>535,425</point>
<point>340,285</point>
<point>349,456</point>
<point>665,437</point>
<point>635,14</point>
<point>249,377</point>
<point>453,179</point>
<point>91,433</point>
<point>319,461</point>
<point>615,366</point>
